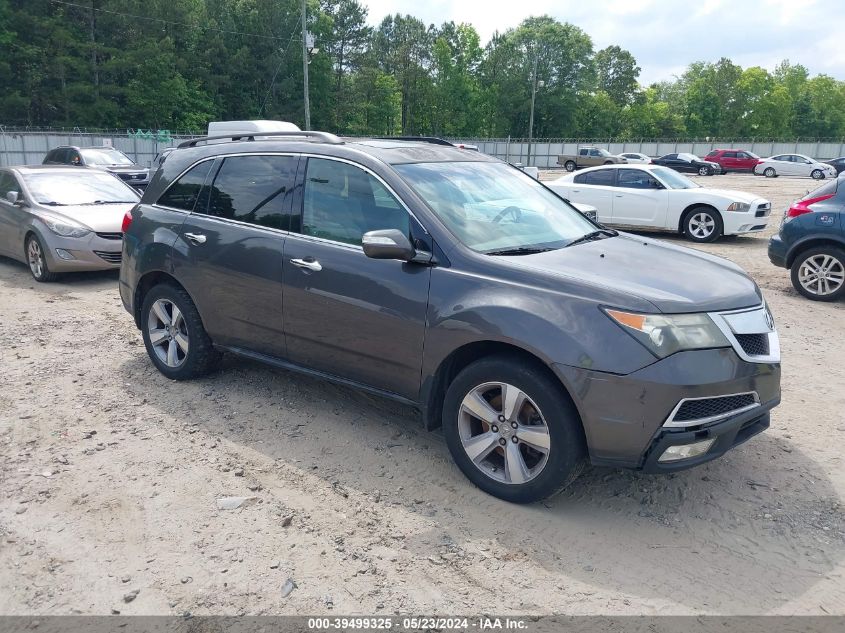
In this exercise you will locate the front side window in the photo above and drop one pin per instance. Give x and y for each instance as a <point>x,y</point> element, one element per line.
<point>492,207</point>
<point>88,187</point>
<point>183,193</point>
<point>342,202</point>
<point>635,179</point>
<point>673,180</point>
<point>252,189</point>
<point>730,155</point>
<point>7,184</point>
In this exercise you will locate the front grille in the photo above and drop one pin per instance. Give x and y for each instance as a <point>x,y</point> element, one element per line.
<point>111,236</point>
<point>762,213</point>
<point>109,256</point>
<point>712,407</point>
<point>754,344</point>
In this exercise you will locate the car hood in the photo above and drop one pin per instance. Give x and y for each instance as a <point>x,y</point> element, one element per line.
<point>672,278</point>
<point>735,196</point>
<point>100,218</point>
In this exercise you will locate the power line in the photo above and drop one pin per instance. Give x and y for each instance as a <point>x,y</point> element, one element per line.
<point>275,74</point>
<point>163,21</point>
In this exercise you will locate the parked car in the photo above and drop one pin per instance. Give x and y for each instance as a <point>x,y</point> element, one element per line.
<point>588,157</point>
<point>811,243</point>
<point>62,219</point>
<point>837,163</point>
<point>161,157</point>
<point>655,197</point>
<point>636,158</point>
<point>738,160</point>
<point>450,281</point>
<point>688,164</point>
<point>794,165</point>
<point>104,158</point>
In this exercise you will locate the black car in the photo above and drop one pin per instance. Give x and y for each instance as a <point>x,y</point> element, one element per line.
<point>106,158</point>
<point>453,282</point>
<point>837,163</point>
<point>811,243</point>
<point>688,164</point>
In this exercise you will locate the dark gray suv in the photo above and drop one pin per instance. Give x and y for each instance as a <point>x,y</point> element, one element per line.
<point>452,281</point>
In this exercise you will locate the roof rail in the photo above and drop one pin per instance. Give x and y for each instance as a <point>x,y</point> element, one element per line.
<point>434,140</point>
<point>325,137</point>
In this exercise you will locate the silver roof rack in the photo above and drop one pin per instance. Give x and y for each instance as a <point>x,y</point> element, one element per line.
<point>325,137</point>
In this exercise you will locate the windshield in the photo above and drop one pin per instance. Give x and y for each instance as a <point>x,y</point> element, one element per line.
<point>493,207</point>
<point>105,157</point>
<point>672,179</point>
<point>62,189</point>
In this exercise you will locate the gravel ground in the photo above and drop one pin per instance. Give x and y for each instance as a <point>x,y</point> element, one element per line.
<point>111,478</point>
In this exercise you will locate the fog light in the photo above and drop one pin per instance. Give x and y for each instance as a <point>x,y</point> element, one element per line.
<point>685,451</point>
<point>63,254</point>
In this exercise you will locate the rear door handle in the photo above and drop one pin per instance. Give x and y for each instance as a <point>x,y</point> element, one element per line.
<point>309,263</point>
<point>195,238</point>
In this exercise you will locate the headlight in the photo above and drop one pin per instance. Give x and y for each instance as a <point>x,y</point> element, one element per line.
<point>66,228</point>
<point>665,334</point>
<point>739,206</point>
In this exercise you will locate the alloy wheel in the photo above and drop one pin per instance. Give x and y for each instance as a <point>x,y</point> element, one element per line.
<point>702,225</point>
<point>168,333</point>
<point>821,274</point>
<point>703,171</point>
<point>35,258</point>
<point>504,433</point>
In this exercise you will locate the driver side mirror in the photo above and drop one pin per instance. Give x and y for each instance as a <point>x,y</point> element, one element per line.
<point>657,185</point>
<point>388,244</point>
<point>14,197</point>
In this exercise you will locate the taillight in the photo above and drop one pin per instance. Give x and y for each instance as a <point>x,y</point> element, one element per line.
<point>803,206</point>
<point>127,220</point>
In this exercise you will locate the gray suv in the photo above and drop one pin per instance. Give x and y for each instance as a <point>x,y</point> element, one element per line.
<point>449,280</point>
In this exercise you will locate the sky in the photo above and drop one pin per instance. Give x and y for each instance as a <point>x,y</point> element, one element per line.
<point>665,36</point>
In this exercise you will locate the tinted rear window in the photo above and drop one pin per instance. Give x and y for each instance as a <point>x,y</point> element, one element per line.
<point>183,193</point>
<point>827,189</point>
<point>599,177</point>
<point>252,189</point>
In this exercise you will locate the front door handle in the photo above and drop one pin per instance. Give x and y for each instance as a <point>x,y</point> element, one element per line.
<point>195,238</point>
<point>309,263</point>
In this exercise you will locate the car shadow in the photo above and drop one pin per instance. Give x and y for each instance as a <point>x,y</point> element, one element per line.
<point>765,514</point>
<point>16,274</point>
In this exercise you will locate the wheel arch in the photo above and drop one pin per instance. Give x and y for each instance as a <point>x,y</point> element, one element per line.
<point>809,243</point>
<point>692,207</point>
<point>434,389</point>
<point>146,283</point>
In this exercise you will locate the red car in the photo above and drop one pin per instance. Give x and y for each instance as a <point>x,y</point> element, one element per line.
<point>734,159</point>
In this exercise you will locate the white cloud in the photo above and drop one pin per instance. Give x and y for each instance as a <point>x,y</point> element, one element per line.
<point>666,35</point>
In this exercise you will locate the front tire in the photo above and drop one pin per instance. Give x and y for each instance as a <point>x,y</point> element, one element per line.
<point>37,260</point>
<point>702,224</point>
<point>819,273</point>
<point>569,165</point>
<point>512,430</point>
<point>174,335</point>
<point>817,174</point>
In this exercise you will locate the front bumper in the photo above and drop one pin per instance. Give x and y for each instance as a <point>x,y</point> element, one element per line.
<point>88,253</point>
<point>623,415</point>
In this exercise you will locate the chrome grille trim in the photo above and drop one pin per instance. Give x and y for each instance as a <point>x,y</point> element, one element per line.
<point>671,423</point>
<point>755,320</point>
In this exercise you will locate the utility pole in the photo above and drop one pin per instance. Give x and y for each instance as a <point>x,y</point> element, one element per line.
<point>533,98</point>
<point>305,69</point>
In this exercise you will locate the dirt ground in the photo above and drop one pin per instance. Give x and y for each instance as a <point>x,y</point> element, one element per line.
<point>111,474</point>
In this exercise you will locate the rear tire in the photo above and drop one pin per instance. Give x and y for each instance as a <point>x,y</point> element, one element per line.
<point>37,260</point>
<point>702,225</point>
<point>174,335</point>
<point>569,165</point>
<point>819,273</point>
<point>705,171</point>
<point>770,172</point>
<point>536,449</point>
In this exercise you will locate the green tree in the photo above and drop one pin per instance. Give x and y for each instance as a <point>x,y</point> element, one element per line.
<point>617,72</point>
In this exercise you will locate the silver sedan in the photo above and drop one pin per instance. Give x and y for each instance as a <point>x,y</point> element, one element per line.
<point>62,219</point>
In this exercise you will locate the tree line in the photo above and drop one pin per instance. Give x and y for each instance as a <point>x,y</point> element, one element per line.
<point>177,64</point>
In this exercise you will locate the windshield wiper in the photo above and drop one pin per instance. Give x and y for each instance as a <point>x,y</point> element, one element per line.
<point>593,235</point>
<point>53,204</point>
<point>521,250</point>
